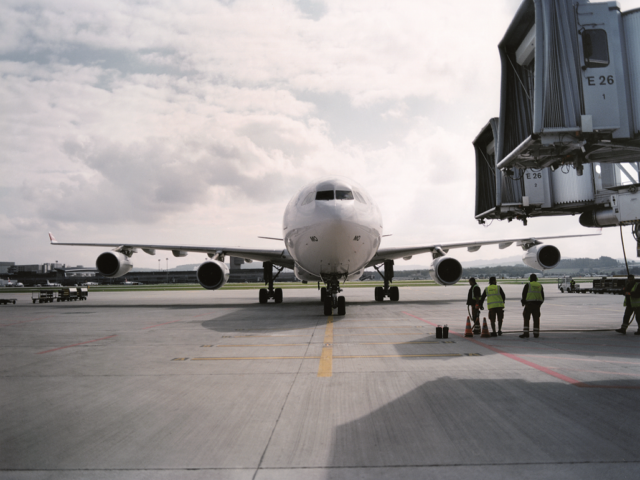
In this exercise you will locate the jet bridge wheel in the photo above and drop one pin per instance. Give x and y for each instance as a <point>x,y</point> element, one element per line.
<point>342,308</point>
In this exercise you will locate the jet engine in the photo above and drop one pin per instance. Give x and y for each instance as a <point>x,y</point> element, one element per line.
<point>445,270</point>
<point>212,274</point>
<point>113,264</point>
<point>541,258</point>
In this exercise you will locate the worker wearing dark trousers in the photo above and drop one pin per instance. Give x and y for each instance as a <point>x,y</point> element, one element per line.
<point>634,300</point>
<point>495,303</point>
<point>628,310</point>
<point>473,300</point>
<point>532,299</point>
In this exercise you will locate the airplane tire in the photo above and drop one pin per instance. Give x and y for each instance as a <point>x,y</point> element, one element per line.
<point>342,308</point>
<point>328,308</point>
<point>263,295</point>
<point>278,295</point>
<point>323,294</point>
<point>394,294</point>
<point>378,294</point>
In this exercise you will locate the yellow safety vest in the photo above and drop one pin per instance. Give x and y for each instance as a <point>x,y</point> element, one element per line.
<point>635,301</point>
<point>473,292</point>
<point>534,294</point>
<point>494,299</point>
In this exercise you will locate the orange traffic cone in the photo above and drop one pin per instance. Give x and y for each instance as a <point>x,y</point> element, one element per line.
<point>485,329</point>
<point>467,331</point>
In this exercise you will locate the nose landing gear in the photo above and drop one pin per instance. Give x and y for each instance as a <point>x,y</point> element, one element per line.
<point>392,292</point>
<point>275,293</point>
<point>331,299</point>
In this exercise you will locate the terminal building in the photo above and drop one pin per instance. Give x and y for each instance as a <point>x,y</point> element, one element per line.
<point>567,139</point>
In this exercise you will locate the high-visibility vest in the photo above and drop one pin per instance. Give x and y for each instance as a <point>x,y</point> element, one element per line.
<point>534,294</point>
<point>474,295</point>
<point>635,301</point>
<point>494,299</point>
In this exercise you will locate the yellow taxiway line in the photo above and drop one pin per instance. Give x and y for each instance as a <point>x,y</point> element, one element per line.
<point>325,369</point>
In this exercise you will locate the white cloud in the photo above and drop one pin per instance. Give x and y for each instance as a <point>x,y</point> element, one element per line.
<point>195,121</point>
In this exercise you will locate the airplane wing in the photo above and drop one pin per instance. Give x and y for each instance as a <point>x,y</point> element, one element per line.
<point>406,253</point>
<point>278,257</point>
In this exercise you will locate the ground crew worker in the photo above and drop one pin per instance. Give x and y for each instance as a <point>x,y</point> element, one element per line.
<point>628,310</point>
<point>573,284</point>
<point>473,300</point>
<point>632,299</point>
<point>532,299</point>
<point>495,303</point>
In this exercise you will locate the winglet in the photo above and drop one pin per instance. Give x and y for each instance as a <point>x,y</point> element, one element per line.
<point>52,238</point>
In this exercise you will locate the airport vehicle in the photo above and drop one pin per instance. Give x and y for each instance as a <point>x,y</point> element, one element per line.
<point>600,285</point>
<point>4,301</point>
<point>564,284</point>
<point>44,296</point>
<point>332,231</point>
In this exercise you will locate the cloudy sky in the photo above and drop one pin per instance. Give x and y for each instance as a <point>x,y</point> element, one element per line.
<point>194,122</point>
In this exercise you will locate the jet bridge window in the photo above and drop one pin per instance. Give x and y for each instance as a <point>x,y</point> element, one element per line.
<point>344,195</point>
<point>324,195</point>
<point>595,48</point>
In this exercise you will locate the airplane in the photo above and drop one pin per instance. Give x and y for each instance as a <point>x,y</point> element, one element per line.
<point>331,232</point>
<point>11,283</point>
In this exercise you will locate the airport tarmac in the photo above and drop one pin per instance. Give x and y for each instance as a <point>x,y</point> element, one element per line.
<point>199,385</point>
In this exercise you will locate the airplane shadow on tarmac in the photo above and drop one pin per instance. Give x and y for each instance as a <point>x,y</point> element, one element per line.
<point>295,314</point>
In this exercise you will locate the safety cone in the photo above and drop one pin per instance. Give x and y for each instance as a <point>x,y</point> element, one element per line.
<point>485,329</point>
<point>467,331</point>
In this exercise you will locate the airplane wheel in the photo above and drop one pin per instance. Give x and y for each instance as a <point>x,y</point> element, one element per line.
<point>378,294</point>
<point>263,296</point>
<point>342,308</point>
<point>278,295</point>
<point>394,294</point>
<point>328,308</point>
<point>323,294</point>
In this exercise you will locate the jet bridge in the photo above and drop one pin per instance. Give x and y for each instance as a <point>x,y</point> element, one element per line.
<point>567,140</point>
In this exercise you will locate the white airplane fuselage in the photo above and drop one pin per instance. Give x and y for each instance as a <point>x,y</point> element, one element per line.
<point>332,229</point>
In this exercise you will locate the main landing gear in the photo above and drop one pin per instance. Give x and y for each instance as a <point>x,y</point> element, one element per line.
<point>392,292</point>
<point>330,299</point>
<point>275,293</point>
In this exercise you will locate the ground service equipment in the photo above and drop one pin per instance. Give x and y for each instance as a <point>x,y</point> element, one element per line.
<point>567,140</point>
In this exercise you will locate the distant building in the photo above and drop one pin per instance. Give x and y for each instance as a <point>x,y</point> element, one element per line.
<point>4,266</point>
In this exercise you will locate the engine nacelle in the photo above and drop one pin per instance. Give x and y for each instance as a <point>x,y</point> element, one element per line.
<point>113,264</point>
<point>541,258</point>
<point>445,270</point>
<point>212,274</point>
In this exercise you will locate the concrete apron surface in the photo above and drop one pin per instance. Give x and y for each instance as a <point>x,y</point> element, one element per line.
<point>202,384</point>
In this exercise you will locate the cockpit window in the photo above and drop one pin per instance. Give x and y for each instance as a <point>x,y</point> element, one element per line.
<point>344,195</point>
<point>308,199</point>
<point>324,195</point>
<point>359,197</point>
